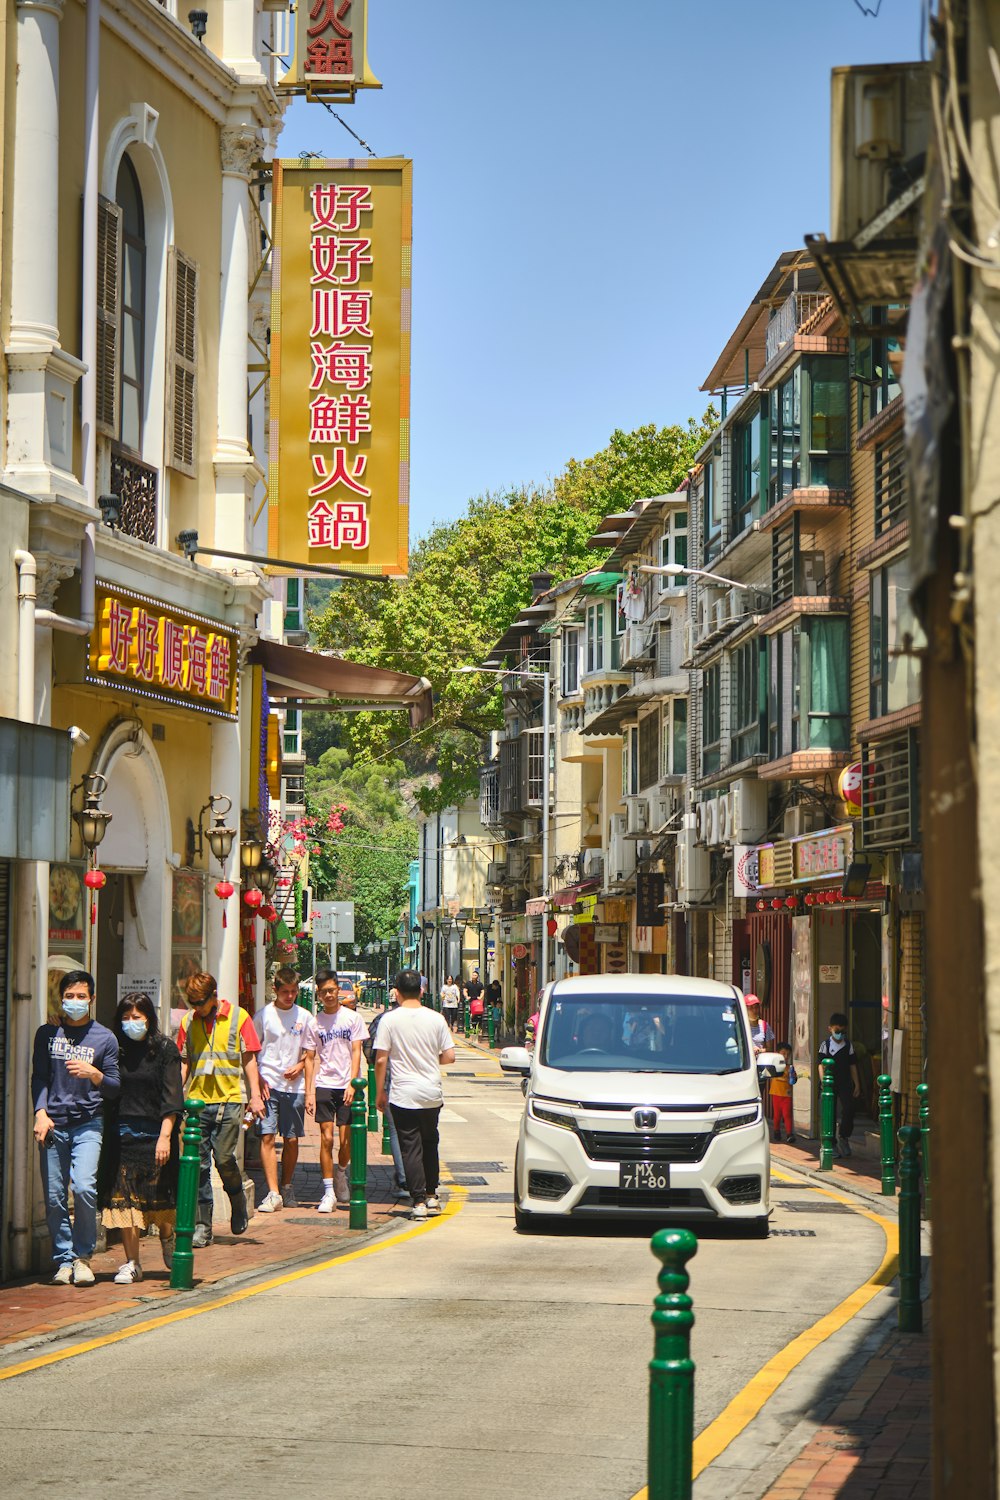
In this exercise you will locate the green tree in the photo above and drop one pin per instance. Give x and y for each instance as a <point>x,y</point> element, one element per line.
<point>468,579</point>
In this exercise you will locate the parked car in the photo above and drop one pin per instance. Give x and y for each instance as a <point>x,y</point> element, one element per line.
<point>643,1099</point>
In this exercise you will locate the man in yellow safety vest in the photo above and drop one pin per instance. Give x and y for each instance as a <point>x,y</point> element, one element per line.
<point>216,1042</point>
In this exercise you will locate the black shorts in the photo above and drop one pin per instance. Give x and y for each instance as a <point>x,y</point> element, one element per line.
<point>330,1106</point>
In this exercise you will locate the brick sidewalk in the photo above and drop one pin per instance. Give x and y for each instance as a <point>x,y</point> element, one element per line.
<point>859,1171</point>
<point>876,1444</point>
<point>35,1308</point>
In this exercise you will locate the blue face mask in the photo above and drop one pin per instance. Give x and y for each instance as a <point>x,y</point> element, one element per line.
<point>75,1010</point>
<point>838,1036</point>
<point>135,1030</point>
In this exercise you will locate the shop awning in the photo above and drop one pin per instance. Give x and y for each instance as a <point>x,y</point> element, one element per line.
<point>572,893</point>
<point>293,673</point>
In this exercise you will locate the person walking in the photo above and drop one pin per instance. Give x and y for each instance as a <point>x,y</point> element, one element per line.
<point>761,1035</point>
<point>451,997</point>
<point>74,1072</point>
<point>413,1042</point>
<point>846,1079</point>
<point>400,1190</point>
<point>287,1035</point>
<point>137,1177</point>
<point>339,1034</point>
<point>494,1000</point>
<point>215,1043</point>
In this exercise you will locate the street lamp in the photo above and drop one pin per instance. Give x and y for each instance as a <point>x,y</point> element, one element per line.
<point>678,570</point>
<point>220,838</point>
<point>545,678</point>
<point>92,820</point>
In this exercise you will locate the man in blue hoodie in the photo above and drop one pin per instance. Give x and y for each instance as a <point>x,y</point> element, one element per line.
<point>74,1069</point>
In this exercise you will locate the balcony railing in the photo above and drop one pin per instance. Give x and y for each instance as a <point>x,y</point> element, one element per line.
<point>890,791</point>
<point>489,797</point>
<point>137,488</point>
<point>789,318</point>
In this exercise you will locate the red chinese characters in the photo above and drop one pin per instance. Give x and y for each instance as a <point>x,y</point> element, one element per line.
<point>116,636</point>
<point>342,525</point>
<point>144,645</point>
<point>330,50</point>
<point>219,668</point>
<point>195,660</point>
<point>171,661</point>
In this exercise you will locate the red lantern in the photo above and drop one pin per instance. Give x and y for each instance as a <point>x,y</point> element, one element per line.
<point>762,906</point>
<point>791,902</point>
<point>224,889</point>
<point>268,913</point>
<point>95,880</point>
<point>776,903</point>
<point>808,898</point>
<point>253,897</point>
<point>550,926</point>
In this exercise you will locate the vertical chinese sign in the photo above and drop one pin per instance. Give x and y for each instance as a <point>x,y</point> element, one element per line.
<point>331,54</point>
<point>338,488</point>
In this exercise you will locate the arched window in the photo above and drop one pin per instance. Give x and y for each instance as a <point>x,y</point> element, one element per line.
<point>133,309</point>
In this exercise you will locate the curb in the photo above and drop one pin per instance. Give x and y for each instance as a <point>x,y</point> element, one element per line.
<point>841,1184</point>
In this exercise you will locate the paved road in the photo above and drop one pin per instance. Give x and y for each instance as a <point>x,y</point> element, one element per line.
<point>464,1361</point>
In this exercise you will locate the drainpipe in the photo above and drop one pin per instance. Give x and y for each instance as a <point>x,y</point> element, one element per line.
<point>88,351</point>
<point>24,927</point>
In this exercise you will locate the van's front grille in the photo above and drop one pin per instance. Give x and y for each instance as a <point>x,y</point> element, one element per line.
<point>637,1145</point>
<point>690,1200</point>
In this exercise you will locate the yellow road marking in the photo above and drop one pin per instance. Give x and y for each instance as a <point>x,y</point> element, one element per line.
<point>748,1402</point>
<point>449,1211</point>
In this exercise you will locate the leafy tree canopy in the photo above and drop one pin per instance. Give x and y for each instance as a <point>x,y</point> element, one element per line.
<point>468,579</point>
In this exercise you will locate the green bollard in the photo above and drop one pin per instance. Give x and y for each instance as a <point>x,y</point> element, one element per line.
<point>372,1111</point>
<point>188,1172</point>
<point>671,1371</point>
<point>359,1158</point>
<point>910,1310</point>
<point>827,1115</point>
<point>887,1132</point>
<point>491,1026</point>
<point>468,1021</point>
<point>923,1094</point>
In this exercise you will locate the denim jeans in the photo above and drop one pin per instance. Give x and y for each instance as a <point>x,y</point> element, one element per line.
<point>397,1155</point>
<point>71,1163</point>
<point>220,1136</point>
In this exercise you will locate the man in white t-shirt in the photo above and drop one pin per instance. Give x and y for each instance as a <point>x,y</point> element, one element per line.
<point>415,1041</point>
<point>339,1035</point>
<point>286,1057</point>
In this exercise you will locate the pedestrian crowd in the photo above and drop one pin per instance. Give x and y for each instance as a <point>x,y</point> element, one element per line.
<point>109,1104</point>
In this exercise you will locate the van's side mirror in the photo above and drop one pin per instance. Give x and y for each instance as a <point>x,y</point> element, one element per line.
<point>515,1060</point>
<point>770,1064</point>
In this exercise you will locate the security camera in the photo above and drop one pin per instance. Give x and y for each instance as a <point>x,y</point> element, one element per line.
<point>78,736</point>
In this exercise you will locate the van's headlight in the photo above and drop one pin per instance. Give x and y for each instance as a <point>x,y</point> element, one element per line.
<point>550,1116</point>
<point>736,1122</point>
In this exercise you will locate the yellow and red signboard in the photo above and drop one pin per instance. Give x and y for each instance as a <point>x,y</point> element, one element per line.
<point>331,49</point>
<point>158,652</point>
<point>338,487</point>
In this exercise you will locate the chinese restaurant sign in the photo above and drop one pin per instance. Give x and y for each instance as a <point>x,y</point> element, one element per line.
<point>338,487</point>
<point>158,652</point>
<point>331,52</point>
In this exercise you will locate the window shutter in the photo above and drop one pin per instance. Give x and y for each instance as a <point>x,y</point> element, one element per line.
<point>663,659</point>
<point>109,314</point>
<point>182,378</point>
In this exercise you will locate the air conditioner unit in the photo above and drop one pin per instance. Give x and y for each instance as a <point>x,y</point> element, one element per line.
<point>812,573</point>
<point>640,815</point>
<point>737,603</point>
<point>748,820</point>
<point>693,869</point>
<point>806,818</point>
<point>703,821</point>
<point>879,126</point>
<point>643,850</point>
<point>621,851</point>
<point>516,864</point>
<point>593,863</point>
<point>495,872</point>
<point>725,806</point>
<point>713,822</point>
<point>664,657</point>
<point>663,811</point>
<point>706,614</point>
<point>720,614</point>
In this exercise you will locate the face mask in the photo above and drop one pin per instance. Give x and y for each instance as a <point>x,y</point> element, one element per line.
<point>75,1010</point>
<point>838,1036</point>
<point>135,1030</point>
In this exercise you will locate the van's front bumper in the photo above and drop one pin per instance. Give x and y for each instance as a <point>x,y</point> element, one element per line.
<point>730,1180</point>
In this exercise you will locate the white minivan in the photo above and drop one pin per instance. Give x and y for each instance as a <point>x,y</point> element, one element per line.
<point>642,1098</point>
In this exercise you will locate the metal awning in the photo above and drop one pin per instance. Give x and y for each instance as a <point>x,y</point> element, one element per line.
<point>294,673</point>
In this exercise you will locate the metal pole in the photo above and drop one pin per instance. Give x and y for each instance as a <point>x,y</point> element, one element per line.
<point>188,1172</point>
<point>910,1310</point>
<point>333,941</point>
<point>359,1158</point>
<point>887,1132</point>
<point>545,825</point>
<point>923,1091</point>
<point>827,1115</point>
<point>671,1371</point>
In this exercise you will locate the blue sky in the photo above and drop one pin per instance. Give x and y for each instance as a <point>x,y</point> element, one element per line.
<point>600,186</point>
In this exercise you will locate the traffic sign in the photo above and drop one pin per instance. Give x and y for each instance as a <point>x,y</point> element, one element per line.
<point>333,921</point>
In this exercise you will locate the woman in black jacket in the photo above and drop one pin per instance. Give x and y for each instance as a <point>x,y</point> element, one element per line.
<point>137,1180</point>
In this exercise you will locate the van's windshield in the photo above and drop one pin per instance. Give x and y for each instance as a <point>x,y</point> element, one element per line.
<point>643,1034</point>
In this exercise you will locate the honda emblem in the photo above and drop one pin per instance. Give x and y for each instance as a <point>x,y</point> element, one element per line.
<point>645,1119</point>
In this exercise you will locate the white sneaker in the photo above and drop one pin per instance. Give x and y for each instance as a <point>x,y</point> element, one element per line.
<point>327,1202</point>
<point>419,1212</point>
<point>288,1197</point>
<point>341,1186</point>
<point>64,1275</point>
<point>82,1274</point>
<point>129,1272</point>
<point>433,1206</point>
<point>270,1204</point>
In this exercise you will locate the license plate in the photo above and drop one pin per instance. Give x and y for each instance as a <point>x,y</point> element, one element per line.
<point>644,1176</point>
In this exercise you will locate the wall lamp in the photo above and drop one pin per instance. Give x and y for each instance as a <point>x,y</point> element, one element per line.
<point>265,876</point>
<point>111,510</point>
<point>92,820</point>
<point>220,838</point>
<point>198,21</point>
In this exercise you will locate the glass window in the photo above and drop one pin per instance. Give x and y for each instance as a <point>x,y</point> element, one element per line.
<point>712,506</point>
<point>897,637</point>
<point>874,363</point>
<point>674,737</point>
<point>570,662</point>
<point>828,422</point>
<point>133,308</point>
<point>292,732</point>
<point>293,604</point>
<point>674,549</point>
<point>643,1034</point>
<point>595,637</point>
<point>785,443</point>
<point>746,473</point>
<point>808,687</point>
<point>632,758</point>
<point>746,684</point>
<point>649,737</point>
<point>711,709</point>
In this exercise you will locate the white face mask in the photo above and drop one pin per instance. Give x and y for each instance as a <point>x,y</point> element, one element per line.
<point>75,1010</point>
<point>135,1030</point>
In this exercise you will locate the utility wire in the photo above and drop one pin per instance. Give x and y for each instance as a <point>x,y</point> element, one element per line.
<point>866,10</point>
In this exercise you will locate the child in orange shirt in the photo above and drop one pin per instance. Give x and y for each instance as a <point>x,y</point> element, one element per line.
<point>781,1097</point>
